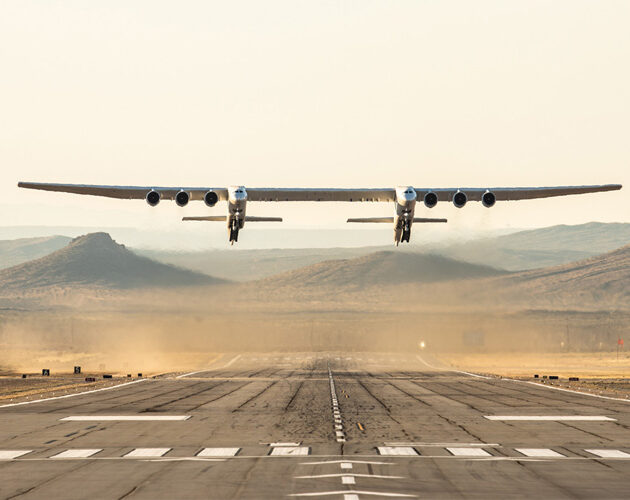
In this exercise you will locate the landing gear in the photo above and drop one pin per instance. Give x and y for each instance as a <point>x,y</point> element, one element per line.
<point>406,234</point>
<point>234,228</point>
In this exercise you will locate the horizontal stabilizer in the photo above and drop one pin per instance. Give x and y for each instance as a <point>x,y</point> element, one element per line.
<point>262,219</point>
<point>387,220</point>
<point>390,220</point>
<point>424,220</point>
<point>211,218</point>
<point>223,218</point>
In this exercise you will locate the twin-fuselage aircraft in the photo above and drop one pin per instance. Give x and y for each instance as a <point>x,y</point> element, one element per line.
<point>404,198</point>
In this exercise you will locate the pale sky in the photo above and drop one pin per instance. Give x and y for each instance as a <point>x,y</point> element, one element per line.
<point>313,94</point>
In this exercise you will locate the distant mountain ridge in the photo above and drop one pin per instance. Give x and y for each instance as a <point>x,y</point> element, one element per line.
<point>14,252</point>
<point>381,268</point>
<point>95,260</point>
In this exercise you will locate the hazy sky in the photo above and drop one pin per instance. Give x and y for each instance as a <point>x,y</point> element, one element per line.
<point>314,93</point>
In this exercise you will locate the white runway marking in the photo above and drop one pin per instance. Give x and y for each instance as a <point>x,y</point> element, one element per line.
<point>11,454</point>
<point>539,452</point>
<point>284,444</point>
<point>345,465</point>
<point>77,453</point>
<point>229,363</point>
<point>448,370</point>
<point>346,474</point>
<point>218,452</point>
<point>347,480</point>
<point>439,445</point>
<point>609,453</point>
<point>147,452</point>
<point>396,450</point>
<point>468,452</point>
<point>352,492</point>
<point>587,418</point>
<point>290,450</point>
<point>124,418</point>
<point>351,497</point>
<point>75,394</point>
<point>346,461</point>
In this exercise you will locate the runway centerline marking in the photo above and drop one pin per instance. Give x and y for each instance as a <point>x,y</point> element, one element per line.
<point>586,418</point>
<point>11,454</point>
<point>125,418</point>
<point>77,453</point>
<point>347,474</point>
<point>340,435</point>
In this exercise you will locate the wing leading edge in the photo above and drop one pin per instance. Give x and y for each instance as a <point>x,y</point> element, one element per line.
<point>307,194</point>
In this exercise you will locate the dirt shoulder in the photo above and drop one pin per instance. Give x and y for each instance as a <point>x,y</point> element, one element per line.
<point>599,373</point>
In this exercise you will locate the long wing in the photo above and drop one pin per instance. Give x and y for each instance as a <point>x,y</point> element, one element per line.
<point>517,193</point>
<point>125,192</point>
<point>307,194</point>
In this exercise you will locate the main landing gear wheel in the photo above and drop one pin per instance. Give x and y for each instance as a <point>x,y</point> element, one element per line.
<point>406,234</point>
<point>234,231</point>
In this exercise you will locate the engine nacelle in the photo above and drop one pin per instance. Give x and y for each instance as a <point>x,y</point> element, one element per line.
<point>488,199</point>
<point>430,199</point>
<point>459,199</point>
<point>211,198</point>
<point>182,198</point>
<point>153,198</point>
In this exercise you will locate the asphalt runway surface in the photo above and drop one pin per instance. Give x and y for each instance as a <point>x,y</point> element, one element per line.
<point>326,425</point>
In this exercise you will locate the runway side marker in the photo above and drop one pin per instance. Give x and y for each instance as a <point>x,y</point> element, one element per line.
<point>290,450</point>
<point>455,371</point>
<point>468,452</point>
<point>586,418</point>
<point>218,452</point>
<point>11,454</point>
<point>78,453</point>
<point>396,450</point>
<point>124,418</point>
<point>147,452</point>
<point>609,453</point>
<point>539,452</point>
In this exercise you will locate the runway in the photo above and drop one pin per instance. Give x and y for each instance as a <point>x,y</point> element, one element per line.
<point>318,425</point>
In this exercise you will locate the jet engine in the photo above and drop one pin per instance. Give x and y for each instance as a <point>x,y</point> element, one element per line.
<point>460,199</point>
<point>182,198</point>
<point>488,199</point>
<point>430,199</point>
<point>211,198</point>
<point>153,198</point>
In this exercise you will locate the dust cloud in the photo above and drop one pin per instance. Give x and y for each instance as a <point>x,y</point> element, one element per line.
<point>158,331</point>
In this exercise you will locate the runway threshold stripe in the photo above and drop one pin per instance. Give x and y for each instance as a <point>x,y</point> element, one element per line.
<point>218,452</point>
<point>396,450</point>
<point>147,452</point>
<point>573,418</point>
<point>539,452</point>
<point>356,493</point>
<point>468,452</point>
<point>11,454</point>
<point>124,418</point>
<point>347,480</point>
<point>290,451</point>
<point>609,453</point>
<point>79,453</point>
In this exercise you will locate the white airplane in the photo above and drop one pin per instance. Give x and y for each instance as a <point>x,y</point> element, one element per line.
<point>404,199</point>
